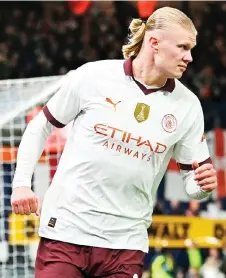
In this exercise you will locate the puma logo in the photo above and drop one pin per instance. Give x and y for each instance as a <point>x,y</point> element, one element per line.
<point>112,103</point>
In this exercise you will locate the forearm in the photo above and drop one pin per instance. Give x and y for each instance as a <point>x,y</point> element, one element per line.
<point>30,149</point>
<point>193,190</point>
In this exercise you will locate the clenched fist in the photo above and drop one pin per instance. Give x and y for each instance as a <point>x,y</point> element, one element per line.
<point>206,176</point>
<point>24,201</point>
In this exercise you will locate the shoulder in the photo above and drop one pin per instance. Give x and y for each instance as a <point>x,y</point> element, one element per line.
<point>92,74</point>
<point>186,95</point>
<point>104,64</point>
<point>99,67</point>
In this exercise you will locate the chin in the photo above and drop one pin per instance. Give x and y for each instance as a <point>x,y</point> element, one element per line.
<point>174,74</point>
<point>177,75</point>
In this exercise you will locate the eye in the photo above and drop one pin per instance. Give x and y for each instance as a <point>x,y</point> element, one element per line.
<point>182,46</point>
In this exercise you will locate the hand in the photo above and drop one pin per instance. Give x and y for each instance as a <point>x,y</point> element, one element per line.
<point>205,175</point>
<point>24,201</point>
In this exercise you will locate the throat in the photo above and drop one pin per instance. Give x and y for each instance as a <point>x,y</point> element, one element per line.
<point>153,84</point>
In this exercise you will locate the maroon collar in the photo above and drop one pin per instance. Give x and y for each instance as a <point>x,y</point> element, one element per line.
<point>128,69</point>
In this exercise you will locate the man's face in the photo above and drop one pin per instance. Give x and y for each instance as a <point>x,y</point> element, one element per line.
<point>174,51</point>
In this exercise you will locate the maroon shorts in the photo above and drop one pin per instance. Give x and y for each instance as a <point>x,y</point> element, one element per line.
<point>56,259</point>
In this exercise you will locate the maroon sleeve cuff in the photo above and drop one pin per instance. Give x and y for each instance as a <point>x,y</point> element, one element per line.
<point>51,119</point>
<point>188,167</point>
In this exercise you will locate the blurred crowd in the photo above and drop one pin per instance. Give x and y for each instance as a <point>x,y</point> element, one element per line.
<point>48,38</point>
<point>191,262</point>
<point>44,38</point>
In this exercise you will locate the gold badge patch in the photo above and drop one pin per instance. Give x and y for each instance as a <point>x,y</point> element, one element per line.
<point>141,112</point>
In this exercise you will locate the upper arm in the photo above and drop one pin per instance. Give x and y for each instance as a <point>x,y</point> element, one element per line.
<point>192,147</point>
<point>67,102</point>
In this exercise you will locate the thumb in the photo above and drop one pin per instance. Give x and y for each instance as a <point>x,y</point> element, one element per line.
<point>38,211</point>
<point>195,165</point>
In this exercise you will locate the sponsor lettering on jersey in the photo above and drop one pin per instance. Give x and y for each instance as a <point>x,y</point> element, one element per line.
<point>125,138</point>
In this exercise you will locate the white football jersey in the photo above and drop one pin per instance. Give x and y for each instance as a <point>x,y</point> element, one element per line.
<point>121,141</point>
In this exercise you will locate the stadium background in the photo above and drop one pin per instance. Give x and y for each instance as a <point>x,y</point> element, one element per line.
<point>41,41</point>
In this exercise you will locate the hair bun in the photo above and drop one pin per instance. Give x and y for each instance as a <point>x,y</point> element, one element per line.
<point>135,25</point>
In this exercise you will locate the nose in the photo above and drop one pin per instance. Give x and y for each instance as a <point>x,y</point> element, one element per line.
<point>188,57</point>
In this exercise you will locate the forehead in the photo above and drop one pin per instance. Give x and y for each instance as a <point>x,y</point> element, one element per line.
<point>180,34</point>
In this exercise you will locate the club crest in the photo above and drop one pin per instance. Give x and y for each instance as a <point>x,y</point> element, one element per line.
<point>169,123</point>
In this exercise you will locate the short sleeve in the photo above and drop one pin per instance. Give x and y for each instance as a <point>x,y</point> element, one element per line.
<point>66,103</point>
<point>192,147</point>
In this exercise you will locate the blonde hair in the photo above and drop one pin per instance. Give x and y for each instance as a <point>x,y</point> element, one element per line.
<point>162,18</point>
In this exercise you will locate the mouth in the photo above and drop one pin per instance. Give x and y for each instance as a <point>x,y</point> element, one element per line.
<point>182,67</point>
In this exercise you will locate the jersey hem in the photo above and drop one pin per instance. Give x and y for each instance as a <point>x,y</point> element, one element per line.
<point>92,243</point>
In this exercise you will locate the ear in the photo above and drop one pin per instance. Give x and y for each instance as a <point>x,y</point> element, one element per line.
<point>154,43</point>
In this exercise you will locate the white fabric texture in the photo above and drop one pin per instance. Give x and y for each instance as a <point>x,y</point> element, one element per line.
<point>30,149</point>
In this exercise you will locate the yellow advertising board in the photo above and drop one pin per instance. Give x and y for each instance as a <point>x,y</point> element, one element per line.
<point>165,231</point>
<point>23,229</point>
<point>177,231</point>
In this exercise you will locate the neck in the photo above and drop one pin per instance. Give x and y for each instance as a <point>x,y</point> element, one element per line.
<point>145,72</point>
